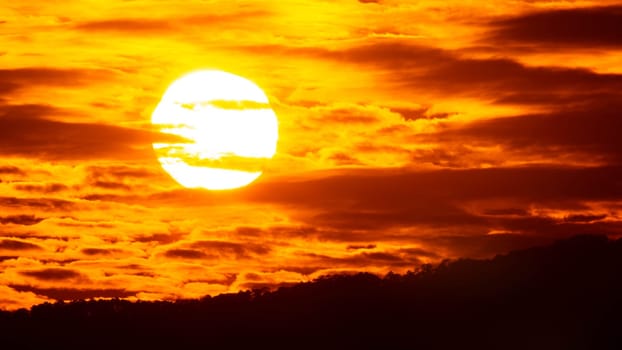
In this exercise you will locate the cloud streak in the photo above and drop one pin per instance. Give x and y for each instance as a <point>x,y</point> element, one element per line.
<point>572,28</point>
<point>26,132</point>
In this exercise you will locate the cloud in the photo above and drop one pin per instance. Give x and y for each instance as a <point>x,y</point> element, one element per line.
<point>107,197</point>
<point>347,116</point>
<point>365,259</point>
<point>13,300</point>
<point>12,244</point>
<point>74,293</point>
<point>161,238</point>
<point>204,249</point>
<point>361,246</point>
<point>238,250</point>
<point>506,211</point>
<point>271,286</point>
<point>185,254</point>
<point>406,214</point>
<point>419,252</point>
<point>119,178</point>
<point>146,26</point>
<point>11,170</point>
<point>304,270</point>
<point>588,27</point>
<point>340,159</point>
<point>403,206</point>
<point>248,231</point>
<point>418,113</point>
<point>588,131</point>
<point>443,73</point>
<point>24,131</point>
<point>547,226</point>
<point>22,219</point>
<point>119,172</point>
<point>39,203</point>
<point>226,280</point>
<point>480,246</point>
<point>111,185</point>
<point>127,25</point>
<point>52,274</point>
<point>451,155</point>
<point>584,218</point>
<point>395,188</point>
<point>12,80</point>
<point>47,188</point>
<point>97,251</point>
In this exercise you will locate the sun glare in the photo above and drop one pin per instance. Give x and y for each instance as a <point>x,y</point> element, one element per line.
<point>227,127</point>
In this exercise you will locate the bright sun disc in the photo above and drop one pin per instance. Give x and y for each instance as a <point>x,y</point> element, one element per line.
<point>227,130</point>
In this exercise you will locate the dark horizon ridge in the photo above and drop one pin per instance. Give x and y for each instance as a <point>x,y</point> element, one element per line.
<point>562,296</point>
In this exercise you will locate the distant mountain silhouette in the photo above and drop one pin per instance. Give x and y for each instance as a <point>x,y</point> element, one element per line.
<point>564,296</point>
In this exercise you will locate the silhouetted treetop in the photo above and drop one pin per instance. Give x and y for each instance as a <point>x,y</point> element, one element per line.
<point>563,296</point>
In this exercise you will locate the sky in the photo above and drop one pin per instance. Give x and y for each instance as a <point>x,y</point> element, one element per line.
<point>409,132</point>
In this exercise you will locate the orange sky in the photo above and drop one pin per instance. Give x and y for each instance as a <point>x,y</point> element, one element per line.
<point>410,132</point>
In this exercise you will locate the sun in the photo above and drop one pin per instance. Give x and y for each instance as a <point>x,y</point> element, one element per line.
<point>226,128</point>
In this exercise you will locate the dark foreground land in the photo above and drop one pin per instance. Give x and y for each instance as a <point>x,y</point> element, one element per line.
<point>564,296</point>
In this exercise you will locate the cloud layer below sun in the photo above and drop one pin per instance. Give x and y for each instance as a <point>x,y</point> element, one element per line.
<point>410,132</point>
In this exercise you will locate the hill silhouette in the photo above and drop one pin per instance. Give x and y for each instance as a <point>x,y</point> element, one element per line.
<point>563,296</point>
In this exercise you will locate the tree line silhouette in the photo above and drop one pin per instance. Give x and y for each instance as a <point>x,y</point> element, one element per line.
<point>563,296</point>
